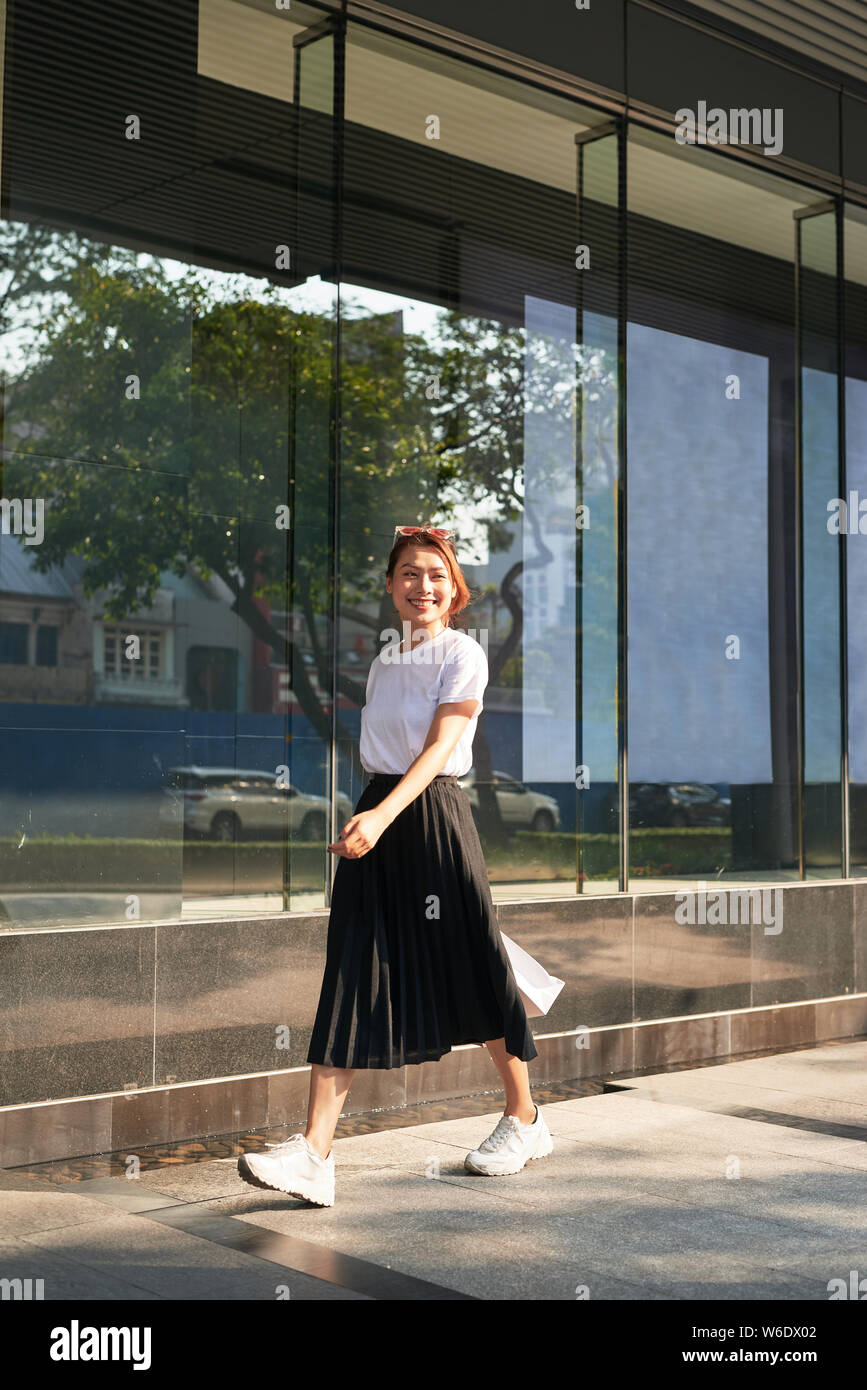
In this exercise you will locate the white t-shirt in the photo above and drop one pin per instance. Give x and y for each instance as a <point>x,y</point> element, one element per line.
<point>403,691</point>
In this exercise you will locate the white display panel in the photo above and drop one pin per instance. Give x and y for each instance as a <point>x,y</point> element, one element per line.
<point>697,561</point>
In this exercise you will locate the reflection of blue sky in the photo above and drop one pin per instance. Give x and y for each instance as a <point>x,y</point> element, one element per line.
<point>698,561</point>
<point>549,734</point>
<point>548,694</point>
<point>821,580</point>
<point>599,552</point>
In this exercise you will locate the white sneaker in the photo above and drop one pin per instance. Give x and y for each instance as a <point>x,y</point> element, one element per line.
<point>294,1167</point>
<point>511,1145</point>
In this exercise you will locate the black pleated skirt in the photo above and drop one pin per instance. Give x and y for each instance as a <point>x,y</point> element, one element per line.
<point>415,963</point>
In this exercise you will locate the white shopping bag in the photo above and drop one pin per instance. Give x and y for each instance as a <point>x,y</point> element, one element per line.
<point>536,987</point>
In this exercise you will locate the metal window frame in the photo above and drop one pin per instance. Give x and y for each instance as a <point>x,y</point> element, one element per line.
<point>424,33</point>
<point>618,128</point>
<point>624,113</point>
<point>332,26</point>
<point>836,207</point>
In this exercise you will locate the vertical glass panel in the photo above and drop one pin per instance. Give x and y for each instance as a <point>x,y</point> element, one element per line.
<point>256,808</point>
<point>95,359</point>
<point>309,630</point>
<point>598,474</point>
<point>461,376</point>
<point>855,515</point>
<point>91,719</point>
<point>713,753</point>
<point>819,441</point>
<point>167,363</point>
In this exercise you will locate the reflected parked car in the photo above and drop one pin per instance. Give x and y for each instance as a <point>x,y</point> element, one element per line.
<point>677,804</point>
<point>519,807</point>
<point>227,803</point>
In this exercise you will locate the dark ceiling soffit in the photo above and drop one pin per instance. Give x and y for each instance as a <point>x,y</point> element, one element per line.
<point>421,31</point>
<point>761,44</point>
<point>429,35</point>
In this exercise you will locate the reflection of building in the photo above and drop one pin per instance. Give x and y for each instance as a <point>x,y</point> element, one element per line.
<point>213,650</point>
<point>714,279</point>
<point>187,650</point>
<point>134,661</point>
<point>59,647</point>
<point>45,635</point>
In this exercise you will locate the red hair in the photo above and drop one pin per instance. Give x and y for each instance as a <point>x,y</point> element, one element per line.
<point>427,541</point>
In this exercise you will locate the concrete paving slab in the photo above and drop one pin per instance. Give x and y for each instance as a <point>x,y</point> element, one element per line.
<point>843,1263</point>
<point>835,1073</point>
<point>690,1279</point>
<point>194,1182</point>
<point>403,1214</point>
<point>763,1184</point>
<point>29,1211</point>
<point>172,1264</point>
<point>656,1124</point>
<point>585,1176</point>
<point>127,1194</point>
<point>506,1251</point>
<point>444,1235</point>
<point>713,1227</point>
<point>65,1278</point>
<point>759,1096</point>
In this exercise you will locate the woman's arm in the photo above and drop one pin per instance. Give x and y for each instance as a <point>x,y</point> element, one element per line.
<point>362,831</point>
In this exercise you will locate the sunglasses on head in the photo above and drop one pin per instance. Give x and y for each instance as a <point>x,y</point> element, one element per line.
<point>437,531</point>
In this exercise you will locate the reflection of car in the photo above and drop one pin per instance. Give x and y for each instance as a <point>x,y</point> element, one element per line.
<point>228,802</point>
<point>518,805</point>
<point>677,804</point>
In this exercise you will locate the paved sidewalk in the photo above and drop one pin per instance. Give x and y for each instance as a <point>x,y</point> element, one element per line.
<point>739,1181</point>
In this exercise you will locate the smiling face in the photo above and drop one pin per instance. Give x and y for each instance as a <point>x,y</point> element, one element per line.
<point>422,589</point>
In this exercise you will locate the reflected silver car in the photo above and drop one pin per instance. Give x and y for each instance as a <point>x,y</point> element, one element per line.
<point>519,807</point>
<point>228,803</point>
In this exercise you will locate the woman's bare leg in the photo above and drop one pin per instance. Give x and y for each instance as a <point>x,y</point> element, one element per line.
<point>516,1080</point>
<point>329,1087</point>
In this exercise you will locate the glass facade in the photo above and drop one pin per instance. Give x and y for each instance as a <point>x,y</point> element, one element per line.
<point>276,281</point>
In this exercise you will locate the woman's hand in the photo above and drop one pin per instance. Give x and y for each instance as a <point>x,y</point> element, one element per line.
<point>360,834</point>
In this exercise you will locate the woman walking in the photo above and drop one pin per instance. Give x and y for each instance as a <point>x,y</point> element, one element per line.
<point>415,964</point>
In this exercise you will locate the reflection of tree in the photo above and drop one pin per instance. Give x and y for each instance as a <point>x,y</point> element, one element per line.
<point>229,387</point>
<point>596,380</point>
<point>597,402</point>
